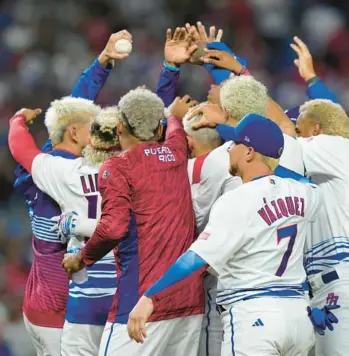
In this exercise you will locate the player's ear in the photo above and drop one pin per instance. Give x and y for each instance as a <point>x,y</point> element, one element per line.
<point>250,153</point>
<point>190,142</point>
<point>72,132</point>
<point>317,130</point>
<point>120,128</point>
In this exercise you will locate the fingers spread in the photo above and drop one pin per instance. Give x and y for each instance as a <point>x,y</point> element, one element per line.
<point>219,35</point>
<point>177,34</point>
<point>202,31</point>
<point>212,34</point>
<point>168,35</point>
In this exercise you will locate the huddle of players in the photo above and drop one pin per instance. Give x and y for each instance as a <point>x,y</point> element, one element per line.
<point>71,181</point>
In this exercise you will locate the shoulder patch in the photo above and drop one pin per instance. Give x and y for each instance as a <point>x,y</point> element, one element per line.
<point>105,174</point>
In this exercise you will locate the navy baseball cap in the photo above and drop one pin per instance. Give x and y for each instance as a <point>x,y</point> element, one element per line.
<point>293,114</point>
<point>255,131</point>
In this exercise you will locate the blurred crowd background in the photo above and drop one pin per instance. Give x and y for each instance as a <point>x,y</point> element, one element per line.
<point>45,44</point>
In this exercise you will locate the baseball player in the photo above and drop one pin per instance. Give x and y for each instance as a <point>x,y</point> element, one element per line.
<point>209,179</point>
<point>73,184</point>
<point>255,246</point>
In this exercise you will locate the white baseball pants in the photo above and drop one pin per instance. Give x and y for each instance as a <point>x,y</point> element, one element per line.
<point>336,342</point>
<point>174,337</point>
<point>212,329</point>
<point>81,339</point>
<point>267,327</point>
<point>46,341</point>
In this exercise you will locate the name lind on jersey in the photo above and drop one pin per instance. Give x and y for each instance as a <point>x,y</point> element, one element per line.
<point>164,153</point>
<point>281,207</point>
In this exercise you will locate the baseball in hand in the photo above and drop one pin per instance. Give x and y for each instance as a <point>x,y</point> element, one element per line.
<point>123,46</point>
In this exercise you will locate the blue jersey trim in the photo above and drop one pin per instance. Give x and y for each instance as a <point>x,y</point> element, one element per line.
<point>232,331</point>
<point>128,281</point>
<point>108,341</point>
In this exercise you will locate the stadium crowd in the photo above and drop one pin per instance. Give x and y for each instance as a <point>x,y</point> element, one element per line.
<point>43,62</point>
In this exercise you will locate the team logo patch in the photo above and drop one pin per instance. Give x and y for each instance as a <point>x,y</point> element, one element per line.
<point>247,139</point>
<point>280,150</point>
<point>105,174</point>
<point>272,181</point>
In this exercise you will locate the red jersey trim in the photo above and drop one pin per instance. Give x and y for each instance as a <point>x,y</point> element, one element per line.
<point>198,163</point>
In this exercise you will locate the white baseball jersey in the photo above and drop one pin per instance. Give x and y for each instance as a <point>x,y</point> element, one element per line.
<point>291,157</point>
<point>326,160</point>
<point>73,184</point>
<point>209,178</point>
<point>255,238</point>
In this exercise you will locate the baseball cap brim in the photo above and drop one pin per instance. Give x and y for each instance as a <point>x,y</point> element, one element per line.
<point>227,133</point>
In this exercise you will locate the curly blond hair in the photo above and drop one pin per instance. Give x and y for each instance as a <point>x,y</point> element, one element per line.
<point>205,134</point>
<point>332,118</point>
<point>244,95</point>
<point>142,110</point>
<point>66,111</point>
<point>104,137</point>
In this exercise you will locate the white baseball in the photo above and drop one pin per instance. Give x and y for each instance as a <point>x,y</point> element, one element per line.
<point>123,46</point>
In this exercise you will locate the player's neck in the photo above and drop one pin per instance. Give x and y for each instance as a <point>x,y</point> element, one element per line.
<point>255,172</point>
<point>69,147</point>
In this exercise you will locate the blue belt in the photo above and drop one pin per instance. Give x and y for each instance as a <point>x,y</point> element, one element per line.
<point>329,277</point>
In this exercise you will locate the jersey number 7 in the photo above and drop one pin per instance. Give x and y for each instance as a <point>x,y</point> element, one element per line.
<point>285,233</point>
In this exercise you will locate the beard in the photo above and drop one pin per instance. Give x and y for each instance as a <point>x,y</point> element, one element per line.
<point>233,170</point>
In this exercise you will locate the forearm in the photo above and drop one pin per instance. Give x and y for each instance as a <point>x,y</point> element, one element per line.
<point>92,80</point>
<point>184,267</point>
<point>167,86</point>
<point>21,143</point>
<point>96,248</point>
<point>174,123</point>
<point>318,90</point>
<point>85,227</point>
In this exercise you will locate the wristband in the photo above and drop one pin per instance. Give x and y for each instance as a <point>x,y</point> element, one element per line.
<point>171,68</point>
<point>312,81</point>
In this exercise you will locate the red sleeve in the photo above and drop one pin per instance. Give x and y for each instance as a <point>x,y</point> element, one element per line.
<point>21,142</point>
<point>116,210</point>
<point>175,134</point>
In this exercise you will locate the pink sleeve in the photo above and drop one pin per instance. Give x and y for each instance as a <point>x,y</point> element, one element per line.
<point>21,142</point>
<point>116,214</point>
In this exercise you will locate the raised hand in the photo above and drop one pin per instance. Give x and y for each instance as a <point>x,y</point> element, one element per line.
<point>109,53</point>
<point>212,115</point>
<point>223,60</point>
<point>304,63</point>
<point>181,106</point>
<point>200,38</point>
<point>29,114</point>
<point>179,47</point>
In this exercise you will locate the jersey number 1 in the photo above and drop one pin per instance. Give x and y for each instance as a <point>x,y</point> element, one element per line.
<point>92,206</point>
<point>288,232</point>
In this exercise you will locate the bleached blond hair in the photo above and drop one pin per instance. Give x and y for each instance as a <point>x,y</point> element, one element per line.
<point>205,134</point>
<point>66,111</point>
<point>330,116</point>
<point>104,138</point>
<point>142,110</point>
<point>271,162</point>
<point>244,95</point>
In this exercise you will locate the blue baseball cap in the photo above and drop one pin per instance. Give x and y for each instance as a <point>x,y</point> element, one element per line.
<point>255,131</point>
<point>293,114</point>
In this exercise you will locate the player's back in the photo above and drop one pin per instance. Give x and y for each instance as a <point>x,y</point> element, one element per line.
<point>162,226</point>
<point>74,184</point>
<point>273,215</point>
<point>209,178</point>
<point>326,162</point>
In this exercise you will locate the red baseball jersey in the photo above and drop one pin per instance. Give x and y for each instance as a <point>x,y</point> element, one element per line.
<point>148,218</point>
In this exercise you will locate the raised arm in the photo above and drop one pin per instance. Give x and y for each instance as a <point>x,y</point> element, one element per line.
<point>92,79</point>
<point>316,88</point>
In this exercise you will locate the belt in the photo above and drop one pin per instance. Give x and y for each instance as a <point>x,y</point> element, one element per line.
<point>329,277</point>
<point>318,281</point>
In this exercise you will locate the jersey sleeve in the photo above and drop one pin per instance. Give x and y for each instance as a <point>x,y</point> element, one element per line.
<point>318,157</point>
<point>48,174</point>
<point>116,213</point>
<point>176,138</point>
<point>223,235</point>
